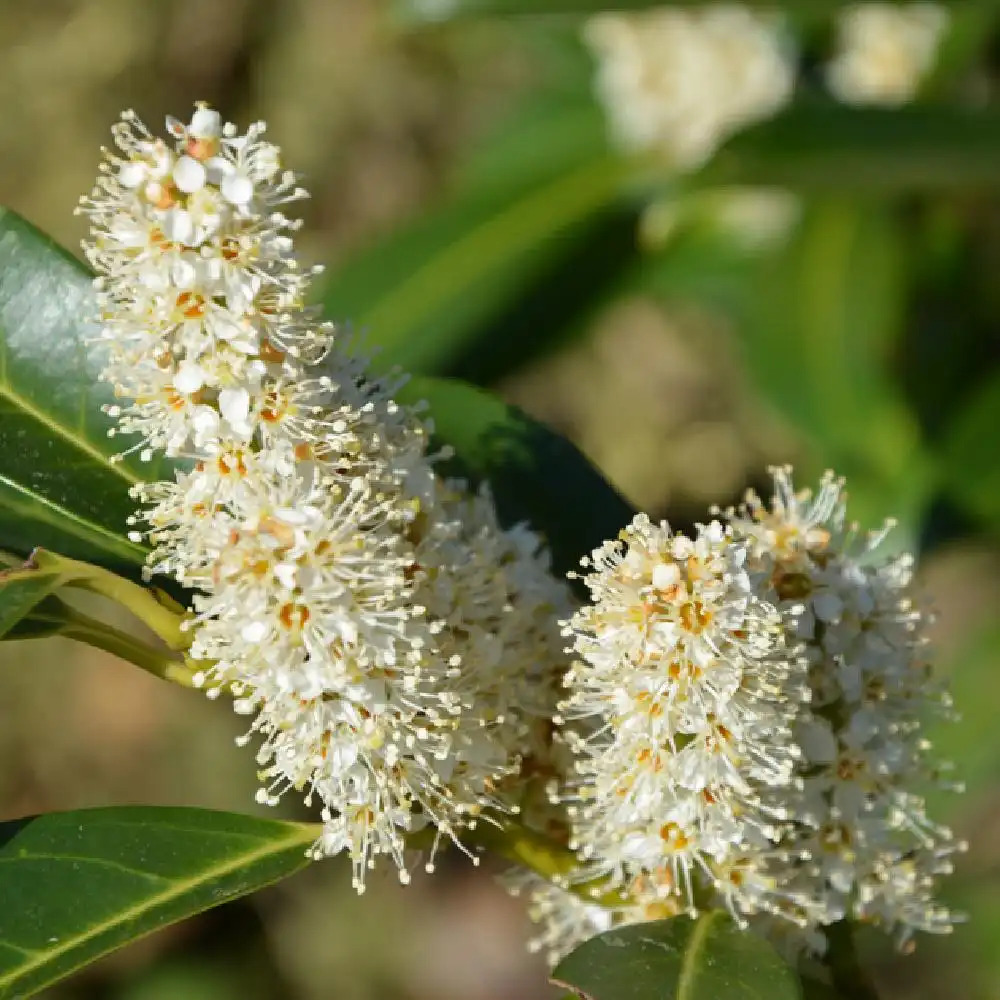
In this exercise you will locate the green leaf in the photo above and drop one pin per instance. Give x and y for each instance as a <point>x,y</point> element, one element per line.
<point>422,295</point>
<point>58,485</point>
<point>835,147</point>
<point>45,572</point>
<point>49,618</point>
<point>535,474</point>
<point>76,885</point>
<point>21,590</point>
<point>678,959</point>
<point>969,455</point>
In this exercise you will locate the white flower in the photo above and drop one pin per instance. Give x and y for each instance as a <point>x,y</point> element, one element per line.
<point>679,712</point>
<point>376,624</point>
<point>885,50</point>
<point>860,843</point>
<point>746,714</point>
<point>682,81</point>
<point>565,919</point>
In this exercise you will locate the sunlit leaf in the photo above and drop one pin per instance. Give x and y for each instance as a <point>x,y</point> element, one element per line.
<point>58,485</point>
<point>76,885</point>
<point>679,959</point>
<point>969,454</point>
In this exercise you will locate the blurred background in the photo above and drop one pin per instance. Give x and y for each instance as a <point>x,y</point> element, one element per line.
<point>839,311</point>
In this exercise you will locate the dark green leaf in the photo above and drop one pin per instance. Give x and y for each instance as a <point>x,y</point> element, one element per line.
<point>836,147</point>
<point>679,959</point>
<point>422,295</point>
<point>50,617</point>
<point>535,474</point>
<point>21,590</point>
<point>76,885</point>
<point>58,485</point>
<point>812,989</point>
<point>557,307</point>
<point>969,454</point>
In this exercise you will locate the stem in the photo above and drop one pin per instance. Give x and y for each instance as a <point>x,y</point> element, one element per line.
<point>145,604</point>
<point>849,978</point>
<point>85,629</point>
<point>542,855</point>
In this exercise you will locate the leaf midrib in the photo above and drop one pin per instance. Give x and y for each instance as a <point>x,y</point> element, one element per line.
<point>302,835</point>
<point>72,522</point>
<point>34,413</point>
<point>689,962</point>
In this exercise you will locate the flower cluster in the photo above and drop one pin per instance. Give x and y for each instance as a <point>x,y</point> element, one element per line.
<point>368,616</point>
<point>745,711</point>
<point>861,844</point>
<point>688,671</point>
<point>682,81</point>
<point>884,51</point>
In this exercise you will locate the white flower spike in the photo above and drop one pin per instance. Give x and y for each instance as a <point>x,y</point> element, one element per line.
<point>367,616</point>
<point>745,711</point>
<point>685,691</point>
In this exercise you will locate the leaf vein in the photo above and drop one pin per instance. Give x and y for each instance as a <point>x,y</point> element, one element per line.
<point>102,862</point>
<point>45,419</point>
<point>176,890</point>
<point>76,524</point>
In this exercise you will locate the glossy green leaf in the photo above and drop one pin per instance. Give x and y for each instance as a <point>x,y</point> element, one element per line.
<point>535,474</point>
<point>76,885</point>
<point>840,148</point>
<point>422,295</point>
<point>58,485</point>
<point>678,959</point>
<point>969,455</point>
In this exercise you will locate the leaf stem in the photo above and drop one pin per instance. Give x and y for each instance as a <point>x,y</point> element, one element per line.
<point>849,978</point>
<point>162,615</point>
<point>95,633</point>
<point>533,850</point>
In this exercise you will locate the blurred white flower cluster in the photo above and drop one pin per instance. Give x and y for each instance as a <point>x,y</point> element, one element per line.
<point>745,711</point>
<point>376,623</point>
<point>884,51</point>
<point>682,81</point>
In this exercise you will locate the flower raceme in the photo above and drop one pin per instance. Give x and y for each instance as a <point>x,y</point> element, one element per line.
<point>859,843</point>
<point>686,692</point>
<point>745,711</point>
<point>375,622</point>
